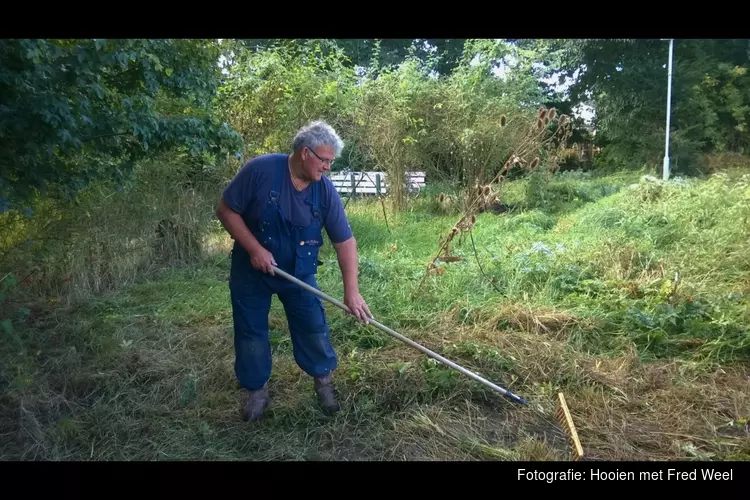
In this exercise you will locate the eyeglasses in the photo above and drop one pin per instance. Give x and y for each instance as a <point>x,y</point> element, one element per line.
<point>329,162</point>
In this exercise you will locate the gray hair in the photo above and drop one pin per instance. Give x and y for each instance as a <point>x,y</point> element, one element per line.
<point>317,133</point>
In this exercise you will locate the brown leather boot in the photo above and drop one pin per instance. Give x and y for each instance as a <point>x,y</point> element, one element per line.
<point>326,396</point>
<point>256,404</point>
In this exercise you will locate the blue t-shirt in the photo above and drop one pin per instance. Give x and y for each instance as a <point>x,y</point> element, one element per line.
<point>248,193</point>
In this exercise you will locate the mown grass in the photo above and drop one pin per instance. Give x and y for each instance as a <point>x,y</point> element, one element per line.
<point>576,293</point>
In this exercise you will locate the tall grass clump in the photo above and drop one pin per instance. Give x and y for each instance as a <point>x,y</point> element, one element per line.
<point>112,236</point>
<point>664,264</point>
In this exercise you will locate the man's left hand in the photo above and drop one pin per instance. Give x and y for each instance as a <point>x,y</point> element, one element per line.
<point>358,307</point>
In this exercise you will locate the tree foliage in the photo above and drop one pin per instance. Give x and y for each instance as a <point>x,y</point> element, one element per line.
<point>271,93</point>
<point>626,83</point>
<point>393,118</point>
<point>388,52</point>
<point>75,111</point>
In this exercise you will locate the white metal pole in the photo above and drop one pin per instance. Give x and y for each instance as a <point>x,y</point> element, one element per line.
<point>669,109</point>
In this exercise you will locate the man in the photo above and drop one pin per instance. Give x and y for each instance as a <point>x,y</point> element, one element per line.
<point>275,209</point>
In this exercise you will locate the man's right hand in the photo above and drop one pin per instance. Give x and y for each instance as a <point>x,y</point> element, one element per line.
<point>262,260</point>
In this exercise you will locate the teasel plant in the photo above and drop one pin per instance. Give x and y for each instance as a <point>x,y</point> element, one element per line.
<point>475,199</point>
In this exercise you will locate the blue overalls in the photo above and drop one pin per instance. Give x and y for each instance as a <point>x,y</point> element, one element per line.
<point>296,252</point>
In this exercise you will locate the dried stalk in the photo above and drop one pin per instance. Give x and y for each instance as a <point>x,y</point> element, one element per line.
<point>481,196</point>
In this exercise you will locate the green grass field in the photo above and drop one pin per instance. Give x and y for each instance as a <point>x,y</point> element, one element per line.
<point>631,297</point>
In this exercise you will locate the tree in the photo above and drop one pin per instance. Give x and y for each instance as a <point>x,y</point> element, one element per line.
<point>626,82</point>
<point>391,52</point>
<point>76,111</point>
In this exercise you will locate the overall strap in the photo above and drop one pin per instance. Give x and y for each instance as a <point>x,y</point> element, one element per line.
<point>276,189</point>
<point>315,200</point>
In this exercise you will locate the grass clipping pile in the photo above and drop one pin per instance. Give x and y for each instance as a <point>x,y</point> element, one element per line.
<point>617,407</point>
<point>144,388</point>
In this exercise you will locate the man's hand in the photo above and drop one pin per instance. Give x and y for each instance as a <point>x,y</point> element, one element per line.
<point>262,260</point>
<point>347,256</point>
<point>358,307</point>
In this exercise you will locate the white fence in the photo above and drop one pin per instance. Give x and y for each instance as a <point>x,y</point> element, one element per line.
<point>372,182</point>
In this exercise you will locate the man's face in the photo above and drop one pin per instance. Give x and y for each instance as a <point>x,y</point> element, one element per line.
<point>318,162</point>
